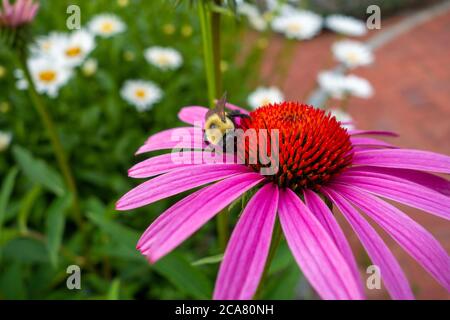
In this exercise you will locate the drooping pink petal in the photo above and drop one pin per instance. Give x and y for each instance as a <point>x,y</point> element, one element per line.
<point>425,179</point>
<point>372,132</point>
<point>236,108</point>
<point>406,192</point>
<point>392,275</point>
<point>315,251</point>
<point>182,138</point>
<point>194,115</point>
<point>247,250</point>
<point>403,158</point>
<point>170,161</point>
<point>176,181</point>
<point>188,215</point>
<point>326,218</point>
<point>412,237</point>
<point>362,141</point>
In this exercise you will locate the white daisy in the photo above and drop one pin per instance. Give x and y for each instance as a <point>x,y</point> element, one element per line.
<point>264,95</point>
<point>89,67</point>
<point>332,83</point>
<point>163,58</point>
<point>345,118</point>
<point>106,25</point>
<point>357,86</point>
<point>44,45</point>
<point>346,25</point>
<point>48,75</point>
<point>74,48</point>
<point>299,25</point>
<point>340,86</point>
<point>352,53</point>
<point>254,17</point>
<point>141,94</point>
<point>5,140</point>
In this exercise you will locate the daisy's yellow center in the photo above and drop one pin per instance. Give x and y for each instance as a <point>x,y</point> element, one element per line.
<point>163,59</point>
<point>140,93</point>
<point>294,27</point>
<point>107,27</point>
<point>47,76</point>
<point>73,52</point>
<point>265,101</point>
<point>352,57</point>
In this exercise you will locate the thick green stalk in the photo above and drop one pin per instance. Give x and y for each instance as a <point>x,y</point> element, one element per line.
<point>210,29</point>
<point>205,26</point>
<point>58,149</point>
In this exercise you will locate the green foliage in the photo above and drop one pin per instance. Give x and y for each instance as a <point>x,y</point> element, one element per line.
<point>100,133</point>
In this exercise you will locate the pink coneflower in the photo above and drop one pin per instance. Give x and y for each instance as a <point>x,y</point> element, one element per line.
<point>17,14</point>
<point>319,161</point>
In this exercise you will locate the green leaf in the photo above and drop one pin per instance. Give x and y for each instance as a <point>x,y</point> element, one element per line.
<point>113,293</point>
<point>208,260</point>
<point>55,225</point>
<point>26,206</point>
<point>121,233</point>
<point>38,171</point>
<point>5,193</point>
<point>283,285</point>
<point>184,276</point>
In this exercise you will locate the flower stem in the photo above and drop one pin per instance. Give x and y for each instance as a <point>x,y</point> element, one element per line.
<point>276,239</point>
<point>210,29</point>
<point>60,155</point>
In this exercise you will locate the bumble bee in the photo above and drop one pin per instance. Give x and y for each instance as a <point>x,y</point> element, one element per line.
<point>219,123</point>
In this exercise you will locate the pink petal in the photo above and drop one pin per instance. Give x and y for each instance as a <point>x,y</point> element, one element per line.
<point>326,218</point>
<point>193,115</point>
<point>236,108</point>
<point>392,275</point>
<point>188,215</point>
<point>360,141</point>
<point>182,138</point>
<point>170,161</point>
<point>372,132</point>
<point>406,192</point>
<point>423,178</point>
<point>247,250</point>
<point>412,237</point>
<point>315,251</point>
<point>403,158</point>
<point>175,182</point>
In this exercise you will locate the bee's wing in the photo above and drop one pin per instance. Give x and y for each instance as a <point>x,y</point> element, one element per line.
<point>220,107</point>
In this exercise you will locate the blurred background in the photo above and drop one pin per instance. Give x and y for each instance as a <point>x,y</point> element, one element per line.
<point>101,130</point>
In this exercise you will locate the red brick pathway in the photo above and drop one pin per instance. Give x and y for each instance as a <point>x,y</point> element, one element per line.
<point>411,78</point>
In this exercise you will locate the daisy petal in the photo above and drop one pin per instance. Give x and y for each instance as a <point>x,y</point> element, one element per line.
<point>193,115</point>
<point>403,158</point>
<point>412,237</point>
<point>315,251</point>
<point>247,250</point>
<point>185,217</point>
<point>409,193</point>
<point>392,275</point>
<point>176,182</point>
<point>326,218</point>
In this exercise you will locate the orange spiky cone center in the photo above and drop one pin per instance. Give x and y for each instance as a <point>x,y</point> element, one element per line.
<point>313,146</point>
